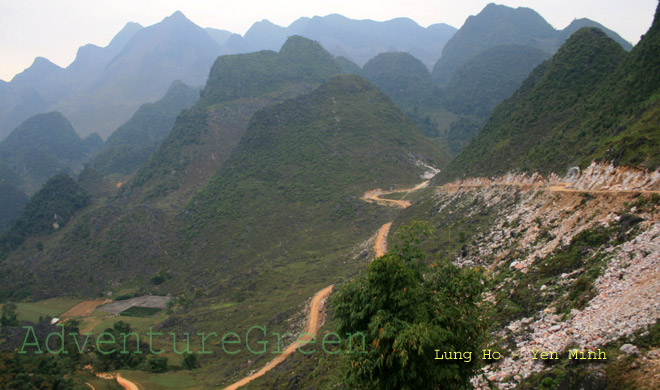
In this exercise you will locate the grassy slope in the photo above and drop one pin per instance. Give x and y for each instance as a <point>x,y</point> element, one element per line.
<point>529,132</point>
<point>283,218</point>
<point>42,146</point>
<point>134,141</point>
<point>123,240</point>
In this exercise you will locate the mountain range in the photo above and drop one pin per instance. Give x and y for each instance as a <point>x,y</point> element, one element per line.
<point>293,167</point>
<point>140,63</point>
<point>103,87</point>
<point>592,100</point>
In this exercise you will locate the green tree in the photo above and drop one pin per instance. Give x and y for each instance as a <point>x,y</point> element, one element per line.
<point>8,317</point>
<point>190,361</point>
<point>157,364</point>
<point>406,310</point>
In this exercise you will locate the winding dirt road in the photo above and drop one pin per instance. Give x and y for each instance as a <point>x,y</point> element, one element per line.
<point>374,196</point>
<point>316,313</point>
<point>123,382</point>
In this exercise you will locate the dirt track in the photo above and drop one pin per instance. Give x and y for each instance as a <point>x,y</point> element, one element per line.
<point>125,383</point>
<point>374,196</point>
<point>559,187</point>
<point>314,323</point>
<point>380,247</point>
<point>563,188</point>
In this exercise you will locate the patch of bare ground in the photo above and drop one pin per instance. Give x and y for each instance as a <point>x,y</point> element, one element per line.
<point>83,309</point>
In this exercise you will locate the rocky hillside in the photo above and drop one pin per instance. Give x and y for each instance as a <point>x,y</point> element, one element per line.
<point>574,263</point>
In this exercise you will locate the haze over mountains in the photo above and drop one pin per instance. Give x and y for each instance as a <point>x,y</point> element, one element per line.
<point>103,87</point>
<point>242,181</point>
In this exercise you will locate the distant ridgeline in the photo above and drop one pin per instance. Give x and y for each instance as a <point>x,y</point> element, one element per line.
<point>104,86</point>
<point>334,144</point>
<point>481,65</point>
<point>134,141</point>
<point>41,147</point>
<point>591,100</point>
<point>238,85</point>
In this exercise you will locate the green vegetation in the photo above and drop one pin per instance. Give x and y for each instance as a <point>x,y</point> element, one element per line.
<point>347,133</point>
<point>237,87</point>
<point>13,200</point>
<point>583,258</point>
<point>407,309</point>
<point>567,114</point>
<point>53,307</point>
<point>454,114</point>
<point>140,311</point>
<point>133,142</point>
<point>490,77</point>
<point>408,82</point>
<point>48,210</point>
<point>40,371</point>
<point>402,77</point>
<point>113,341</point>
<point>43,146</point>
<point>498,25</point>
<point>157,364</point>
<point>190,361</point>
<point>246,75</point>
<point>9,317</point>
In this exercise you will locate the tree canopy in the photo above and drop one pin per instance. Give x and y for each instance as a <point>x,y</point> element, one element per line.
<point>408,305</point>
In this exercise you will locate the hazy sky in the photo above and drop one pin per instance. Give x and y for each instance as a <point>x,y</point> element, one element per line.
<point>55,29</point>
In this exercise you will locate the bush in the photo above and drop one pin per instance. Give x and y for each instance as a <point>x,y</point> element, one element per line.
<point>157,364</point>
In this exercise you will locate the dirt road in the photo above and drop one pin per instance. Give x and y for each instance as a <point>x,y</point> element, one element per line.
<point>380,247</point>
<point>563,188</point>
<point>316,313</point>
<point>374,196</point>
<point>125,383</point>
<point>558,187</point>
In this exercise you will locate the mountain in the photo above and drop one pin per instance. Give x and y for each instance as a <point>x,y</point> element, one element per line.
<point>134,141</point>
<point>584,22</point>
<point>174,49</point>
<point>265,35</point>
<point>238,85</point>
<point>401,76</point>
<point>408,82</point>
<point>220,36</point>
<point>104,87</point>
<point>47,211</point>
<point>348,134</point>
<point>488,78</point>
<point>357,40</point>
<point>13,200</point>
<point>43,146</point>
<point>482,64</point>
<point>201,140</point>
<point>495,25</point>
<point>498,25</point>
<point>591,95</point>
<point>36,89</point>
